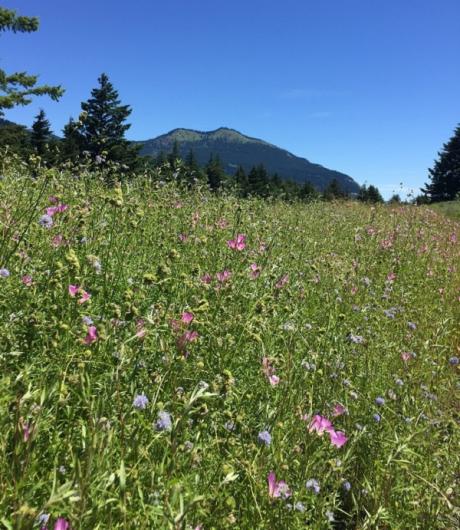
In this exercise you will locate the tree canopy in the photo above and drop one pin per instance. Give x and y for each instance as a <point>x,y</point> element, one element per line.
<point>19,87</point>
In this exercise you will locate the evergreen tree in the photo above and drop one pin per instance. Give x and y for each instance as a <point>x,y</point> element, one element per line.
<point>194,174</point>
<point>395,199</point>
<point>373,194</point>
<point>41,136</point>
<point>307,192</point>
<point>333,191</point>
<point>241,181</point>
<point>214,173</point>
<point>103,126</point>
<point>174,155</point>
<point>71,144</point>
<point>363,194</point>
<point>258,182</point>
<point>445,173</point>
<point>19,87</point>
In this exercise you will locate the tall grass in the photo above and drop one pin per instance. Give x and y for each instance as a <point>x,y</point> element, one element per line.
<point>339,311</point>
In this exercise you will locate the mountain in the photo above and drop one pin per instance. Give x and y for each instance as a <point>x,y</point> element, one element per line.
<point>234,149</point>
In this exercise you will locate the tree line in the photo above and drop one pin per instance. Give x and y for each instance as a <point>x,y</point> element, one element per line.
<point>98,136</point>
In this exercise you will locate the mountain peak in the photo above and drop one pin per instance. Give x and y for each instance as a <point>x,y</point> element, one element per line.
<point>235,148</point>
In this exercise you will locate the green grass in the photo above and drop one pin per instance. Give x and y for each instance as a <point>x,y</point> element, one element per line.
<point>449,208</point>
<point>388,275</point>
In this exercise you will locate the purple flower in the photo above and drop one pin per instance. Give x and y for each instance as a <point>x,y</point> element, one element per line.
<point>355,339</point>
<point>412,325</point>
<point>346,485</point>
<point>46,221</point>
<point>313,485</point>
<point>264,438</point>
<point>379,401</point>
<point>140,401</point>
<point>87,320</point>
<point>61,524</point>
<point>453,361</point>
<point>377,417</point>
<point>4,273</point>
<point>163,422</point>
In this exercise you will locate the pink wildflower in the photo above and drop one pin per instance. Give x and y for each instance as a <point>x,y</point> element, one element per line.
<point>391,277</point>
<point>222,223</point>
<point>84,296</point>
<point>187,318</point>
<point>255,270</point>
<point>338,438</point>
<point>56,209</point>
<point>183,237</point>
<point>338,410</point>
<point>91,335</point>
<point>206,278</point>
<point>277,489</point>
<point>140,329</point>
<point>222,277</point>
<point>27,280</point>
<point>269,372</point>
<point>73,290</point>
<point>282,281</point>
<point>61,524</point>
<point>237,244</point>
<point>320,424</point>
<point>57,241</point>
<point>273,380</point>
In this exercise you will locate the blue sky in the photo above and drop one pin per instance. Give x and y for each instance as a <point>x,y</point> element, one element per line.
<point>367,87</point>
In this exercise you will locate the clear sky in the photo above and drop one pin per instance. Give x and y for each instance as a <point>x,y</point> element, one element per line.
<point>367,87</point>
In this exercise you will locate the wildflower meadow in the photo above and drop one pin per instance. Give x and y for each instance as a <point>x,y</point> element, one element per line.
<point>178,359</point>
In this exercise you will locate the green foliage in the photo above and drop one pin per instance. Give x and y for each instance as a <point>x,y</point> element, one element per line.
<point>445,173</point>
<point>370,194</point>
<point>102,127</point>
<point>19,87</point>
<point>214,173</point>
<point>333,191</point>
<point>14,138</point>
<point>41,136</point>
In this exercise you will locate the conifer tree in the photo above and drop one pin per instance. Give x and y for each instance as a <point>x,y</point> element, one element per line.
<point>241,181</point>
<point>174,155</point>
<point>445,173</point>
<point>15,138</point>
<point>214,173</point>
<point>373,194</point>
<point>103,126</point>
<point>307,192</point>
<point>19,87</point>
<point>258,182</point>
<point>333,191</point>
<point>41,136</point>
<point>71,144</point>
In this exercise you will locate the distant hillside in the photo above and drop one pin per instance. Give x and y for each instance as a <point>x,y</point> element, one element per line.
<point>236,149</point>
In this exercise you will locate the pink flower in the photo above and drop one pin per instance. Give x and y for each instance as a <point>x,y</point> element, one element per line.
<point>84,296</point>
<point>27,280</point>
<point>222,277</point>
<point>237,244</point>
<point>269,372</point>
<point>273,380</point>
<point>91,335</point>
<point>222,223</point>
<point>26,430</point>
<point>277,489</point>
<point>140,329</point>
<point>338,410</point>
<point>61,524</point>
<point>338,438</point>
<point>190,336</point>
<point>183,237</point>
<point>391,277</point>
<point>56,209</point>
<point>206,278</point>
<point>282,281</point>
<point>255,270</point>
<point>407,356</point>
<point>320,424</point>
<point>57,240</point>
<point>187,317</point>
<point>73,290</point>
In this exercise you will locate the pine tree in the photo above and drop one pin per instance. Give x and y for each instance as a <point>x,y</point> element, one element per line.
<point>214,173</point>
<point>307,192</point>
<point>71,144</point>
<point>103,126</point>
<point>373,194</point>
<point>19,87</point>
<point>241,181</point>
<point>258,182</point>
<point>41,136</point>
<point>445,173</point>
<point>174,155</point>
<point>333,191</point>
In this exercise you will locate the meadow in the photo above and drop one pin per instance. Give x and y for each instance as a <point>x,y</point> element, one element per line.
<point>179,359</point>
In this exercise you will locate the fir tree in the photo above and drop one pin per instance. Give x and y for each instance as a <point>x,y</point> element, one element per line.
<point>445,173</point>
<point>258,182</point>
<point>214,173</point>
<point>72,143</point>
<point>307,192</point>
<point>41,136</point>
<point>333,191</point>
<point>15,138</point>
<point>373,194</point>
<point>241,182</point>
<point>19,87</point>
<point>174,155</point>
<point>103,126</point>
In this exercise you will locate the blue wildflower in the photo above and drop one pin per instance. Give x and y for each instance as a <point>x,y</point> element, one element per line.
<point>4,273</point>
<point>377,417</point>
<point>453,361</point>
<point>140,401</point>
<point>346,485</point>
<point>264,438</point>
<point>313,485</point>
<point>379,401</point>
<point>46,221</point>
<point>163,422</point>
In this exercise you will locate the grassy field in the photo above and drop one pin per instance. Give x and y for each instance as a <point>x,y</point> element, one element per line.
<point>449,208</point>
<point>189,361</point>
